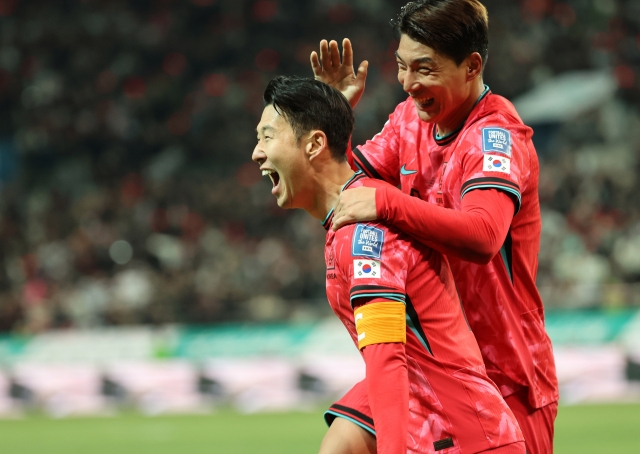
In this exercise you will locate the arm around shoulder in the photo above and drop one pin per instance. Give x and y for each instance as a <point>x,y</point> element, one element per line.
<point>475,233</point>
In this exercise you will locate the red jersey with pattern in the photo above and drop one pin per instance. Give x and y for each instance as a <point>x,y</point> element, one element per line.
<point>492,149</point>
<point>451,397</point>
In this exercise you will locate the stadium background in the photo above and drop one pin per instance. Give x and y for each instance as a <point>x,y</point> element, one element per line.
<point>132,218</point>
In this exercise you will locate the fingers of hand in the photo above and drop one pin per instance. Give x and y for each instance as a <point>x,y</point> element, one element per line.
<point>339,222</point>
<point>334,53</point>
<point>315,64</point>
<point>347,52</point>
<point>338,210</point>
<point>325,57</point>
<point>363,68</point>
<point>362,72</point>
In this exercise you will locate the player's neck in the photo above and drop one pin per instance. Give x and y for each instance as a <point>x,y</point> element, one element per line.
<point>329,182</point>
<point>459,116</point>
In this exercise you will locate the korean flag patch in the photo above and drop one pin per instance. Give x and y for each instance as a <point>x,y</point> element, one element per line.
<point>496,164</point>
<point>496,140</point>
<point>367,241</point>
<point>366,269</point>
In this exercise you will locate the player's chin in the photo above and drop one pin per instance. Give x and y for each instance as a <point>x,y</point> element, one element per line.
<point>283,201</point>
<point>429,117</point>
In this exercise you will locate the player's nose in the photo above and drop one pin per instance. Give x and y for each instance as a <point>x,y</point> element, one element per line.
<point>409,83</point>
<point>258,154</point>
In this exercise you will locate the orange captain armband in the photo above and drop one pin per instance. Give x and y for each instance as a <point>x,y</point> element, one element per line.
<point>381,323</point>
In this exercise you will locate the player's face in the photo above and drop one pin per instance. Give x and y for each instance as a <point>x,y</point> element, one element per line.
<point>281,157</point>
<point>436,84</point>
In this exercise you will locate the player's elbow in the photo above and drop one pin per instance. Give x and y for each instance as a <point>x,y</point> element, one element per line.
<point>482,252</point>
<point>486,244</point>
<point>484,259</point>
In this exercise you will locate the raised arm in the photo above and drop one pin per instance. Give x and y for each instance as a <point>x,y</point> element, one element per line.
<point>339,73</point>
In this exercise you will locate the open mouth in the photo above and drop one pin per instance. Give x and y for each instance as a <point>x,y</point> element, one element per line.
<point>275,178</point>
<point>424,103</point>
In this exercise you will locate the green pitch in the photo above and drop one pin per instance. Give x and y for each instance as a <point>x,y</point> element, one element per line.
<point>581,429</point>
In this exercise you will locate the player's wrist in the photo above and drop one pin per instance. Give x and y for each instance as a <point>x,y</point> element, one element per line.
<point>351,97</point>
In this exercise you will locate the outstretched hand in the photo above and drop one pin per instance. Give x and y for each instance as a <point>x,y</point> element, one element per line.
<point>355,205</point>
<point>340,74</point>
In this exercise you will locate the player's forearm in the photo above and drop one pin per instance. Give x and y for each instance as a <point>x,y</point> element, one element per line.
<point>474,234</point>
<point>388,384</point>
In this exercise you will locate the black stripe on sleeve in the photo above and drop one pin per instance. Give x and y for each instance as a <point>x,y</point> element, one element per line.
<point>366,165</point>
<point>488,180</point>
<point>359,288</point>
<point>356,413</point>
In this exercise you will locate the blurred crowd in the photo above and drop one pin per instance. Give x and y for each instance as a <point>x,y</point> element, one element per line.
<point>127,194</point>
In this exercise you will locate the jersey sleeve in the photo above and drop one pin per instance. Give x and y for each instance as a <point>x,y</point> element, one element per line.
<point>375,263</point>
<point>388,389</point>
<point>474,234</point>
<point>379,157</point>
<point>496,155</point>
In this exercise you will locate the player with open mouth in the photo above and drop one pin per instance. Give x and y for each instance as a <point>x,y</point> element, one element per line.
<point>426,388</point>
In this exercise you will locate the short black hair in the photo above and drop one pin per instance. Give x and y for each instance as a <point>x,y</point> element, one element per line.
<point>455,28</point>
<point>309,104</point>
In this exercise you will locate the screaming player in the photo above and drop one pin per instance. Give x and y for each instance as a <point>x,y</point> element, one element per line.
<point>426,388</point>
<point>469,178</point>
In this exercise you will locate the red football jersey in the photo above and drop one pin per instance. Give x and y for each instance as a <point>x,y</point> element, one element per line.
<point>453,406</point>
<point>492,149</point>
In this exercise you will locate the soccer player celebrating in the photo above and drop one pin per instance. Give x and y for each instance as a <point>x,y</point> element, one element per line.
<point>426,388</point>
<point>467,159</point>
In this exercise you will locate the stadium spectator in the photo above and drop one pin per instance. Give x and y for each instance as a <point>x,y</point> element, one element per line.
<point>123,134</point>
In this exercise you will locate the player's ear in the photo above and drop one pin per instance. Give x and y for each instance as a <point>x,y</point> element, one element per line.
<point>473,64</point>
<point>316,145</point>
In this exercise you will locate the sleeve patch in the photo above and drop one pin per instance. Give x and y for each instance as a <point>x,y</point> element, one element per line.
<point>496,164</point>
<point>367,241</point>
<point>363,269</point>
<point>496,140</point>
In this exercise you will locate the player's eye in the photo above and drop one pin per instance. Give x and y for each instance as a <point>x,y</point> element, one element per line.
<point>423,70</point>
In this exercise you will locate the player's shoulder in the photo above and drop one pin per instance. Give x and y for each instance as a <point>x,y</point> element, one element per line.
<point>368,182</point>
<point>496,104</point>
<point>498,112</point>
<point>374,235</point>
<point>361,180</point>
<point>496,109</point>
<point>373,240</point>
<point>495,127</point>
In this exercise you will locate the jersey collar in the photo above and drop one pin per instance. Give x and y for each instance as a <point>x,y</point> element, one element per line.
<point>448,138</point>
<point>356,176</point>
